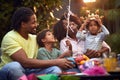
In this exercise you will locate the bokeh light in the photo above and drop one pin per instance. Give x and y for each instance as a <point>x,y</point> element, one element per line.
<point>87,1</point>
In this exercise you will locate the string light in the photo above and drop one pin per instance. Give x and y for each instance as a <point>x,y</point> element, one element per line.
<point>87,1</point>
<point>68,18</point>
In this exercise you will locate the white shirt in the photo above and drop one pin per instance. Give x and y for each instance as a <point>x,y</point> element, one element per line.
<point>77,46</point>
<point>93,42</point>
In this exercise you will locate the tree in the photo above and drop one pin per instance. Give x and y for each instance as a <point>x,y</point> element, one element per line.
<point>6,9</point>
<point>43,8</point>
<point>111,11</point>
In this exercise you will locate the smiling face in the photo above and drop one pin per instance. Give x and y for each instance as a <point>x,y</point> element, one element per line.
<point>31,25</point>
<point>60,28</point>
<point>93,27</point>
<point>72,29</point>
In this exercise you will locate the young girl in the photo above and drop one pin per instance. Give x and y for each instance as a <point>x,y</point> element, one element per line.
<point>45,40</point>
<point>60,31</point>
<point>94,36</point>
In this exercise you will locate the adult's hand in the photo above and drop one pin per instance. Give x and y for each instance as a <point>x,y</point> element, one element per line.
<point>95,54</point>
<point>64,63</point>
<point>91,53</point>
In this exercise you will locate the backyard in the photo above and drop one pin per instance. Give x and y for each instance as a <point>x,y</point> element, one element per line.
<point>94,64</point>
<point>49,12</point>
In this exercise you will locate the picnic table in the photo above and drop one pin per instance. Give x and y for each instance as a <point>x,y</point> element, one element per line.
<point>111,76</point>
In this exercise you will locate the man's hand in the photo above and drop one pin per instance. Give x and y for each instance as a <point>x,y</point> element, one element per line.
<point>64,63</point>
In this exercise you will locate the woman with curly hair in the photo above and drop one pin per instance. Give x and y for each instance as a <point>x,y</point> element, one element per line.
<point>60,31</point>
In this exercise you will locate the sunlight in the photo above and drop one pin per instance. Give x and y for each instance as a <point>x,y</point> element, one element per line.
<point>87,1</point>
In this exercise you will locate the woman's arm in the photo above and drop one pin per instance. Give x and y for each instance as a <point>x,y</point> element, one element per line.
<point>66,54</point>
<point>104,44</point>
<point>105,49</point>
<point>63,46</point>
<point>93,54</point>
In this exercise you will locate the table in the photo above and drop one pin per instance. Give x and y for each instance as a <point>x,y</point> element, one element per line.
<point>112,76</point>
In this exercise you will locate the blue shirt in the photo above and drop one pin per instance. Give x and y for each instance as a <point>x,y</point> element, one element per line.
<point>44,54</point>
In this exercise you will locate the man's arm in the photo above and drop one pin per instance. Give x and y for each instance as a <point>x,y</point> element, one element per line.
<point>21,57</point>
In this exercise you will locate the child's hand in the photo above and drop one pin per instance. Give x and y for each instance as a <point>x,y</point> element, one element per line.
<point>84,24</point>
<point>68,53</point>
<point>86,21</point>
<point>69,44</point>
<point>98,19</point>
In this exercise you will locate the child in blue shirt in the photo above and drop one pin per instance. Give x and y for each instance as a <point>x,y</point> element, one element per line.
<point>46,40</point>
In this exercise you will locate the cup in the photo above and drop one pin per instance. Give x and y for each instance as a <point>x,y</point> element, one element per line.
<point>107,64</point>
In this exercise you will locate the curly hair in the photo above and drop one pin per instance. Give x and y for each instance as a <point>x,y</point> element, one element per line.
<point>21,15</point>
<point>58,29</point>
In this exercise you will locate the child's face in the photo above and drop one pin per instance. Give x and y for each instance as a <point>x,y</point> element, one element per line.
<point>93,27</point>
<point>49,37</point>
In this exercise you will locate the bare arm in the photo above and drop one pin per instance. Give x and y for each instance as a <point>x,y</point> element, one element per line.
<point>105,30</point>
<point>66,54</point>
<point>21,57</point>
<point>93,54</point>
<point>80,34</point>
<point>101,51</point>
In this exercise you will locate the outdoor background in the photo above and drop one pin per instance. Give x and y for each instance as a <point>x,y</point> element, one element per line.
<point>49,11</point>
